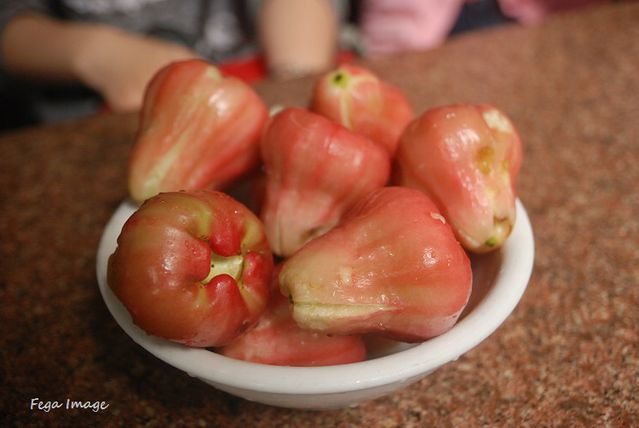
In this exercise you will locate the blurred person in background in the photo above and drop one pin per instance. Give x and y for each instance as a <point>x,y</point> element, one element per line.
<point>67,58</point>
<point>389,26</point>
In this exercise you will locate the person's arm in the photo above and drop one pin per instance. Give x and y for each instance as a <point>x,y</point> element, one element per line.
<point>298,36</point>
<point>113,62</point>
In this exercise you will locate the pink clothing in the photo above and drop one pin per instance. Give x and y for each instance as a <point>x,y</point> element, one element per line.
<point>533,11</point>
<point>394,25</point>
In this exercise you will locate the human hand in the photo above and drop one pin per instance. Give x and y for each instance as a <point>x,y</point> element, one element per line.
<point>119,64</point>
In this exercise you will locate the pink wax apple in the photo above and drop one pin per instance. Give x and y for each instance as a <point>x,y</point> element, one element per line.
<point>392,266</point>
<point>197,130</point>
<point>315,170</point>
<point>359,100</point>
<point>278,340</point>
<point>466,158</point>
<point>192,267</point>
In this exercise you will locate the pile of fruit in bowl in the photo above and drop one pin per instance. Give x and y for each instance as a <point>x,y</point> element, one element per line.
<point>361,258</point>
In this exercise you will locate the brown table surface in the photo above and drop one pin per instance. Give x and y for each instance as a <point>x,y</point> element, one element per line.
<point>567,356</point>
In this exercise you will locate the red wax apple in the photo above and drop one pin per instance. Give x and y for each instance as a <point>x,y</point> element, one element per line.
<point>192,267</point>
<point>392,266</point>
<point>466,158</point>
<point>198,129</point>
<point>278,340</point>
<point>359,100</point>
<point>315,169</point>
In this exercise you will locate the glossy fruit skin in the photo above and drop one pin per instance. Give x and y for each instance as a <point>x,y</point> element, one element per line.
<point>392,266</point>
<point>197,130</point>
<point>356,98</point>
<point>278,340</point>
<point>315,170</point>
<point>466,158</point>
<point>192,267</point>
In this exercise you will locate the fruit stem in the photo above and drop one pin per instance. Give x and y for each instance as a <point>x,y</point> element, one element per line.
<point>340,79</point>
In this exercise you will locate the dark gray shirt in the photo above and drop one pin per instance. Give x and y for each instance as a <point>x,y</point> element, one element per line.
<point>216,29</point>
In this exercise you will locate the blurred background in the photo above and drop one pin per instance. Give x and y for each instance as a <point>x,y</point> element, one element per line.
<point>62,59</point>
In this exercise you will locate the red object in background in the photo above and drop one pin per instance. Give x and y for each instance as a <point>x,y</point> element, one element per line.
<point>253,69</point>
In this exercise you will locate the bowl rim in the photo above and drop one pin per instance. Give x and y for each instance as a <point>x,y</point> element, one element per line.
<point>517,256</point>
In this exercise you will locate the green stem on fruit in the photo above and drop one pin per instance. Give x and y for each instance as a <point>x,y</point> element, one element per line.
<point>340,79</point>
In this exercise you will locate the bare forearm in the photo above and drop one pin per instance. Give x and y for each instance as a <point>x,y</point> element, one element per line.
<point>36,46</point>
<point>298,36</point>
<point>116,63</point>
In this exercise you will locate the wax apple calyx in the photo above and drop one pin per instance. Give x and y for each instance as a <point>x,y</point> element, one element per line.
<point>192,267</point>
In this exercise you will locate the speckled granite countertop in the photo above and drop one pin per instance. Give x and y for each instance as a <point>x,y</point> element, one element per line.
<point>567,356</point>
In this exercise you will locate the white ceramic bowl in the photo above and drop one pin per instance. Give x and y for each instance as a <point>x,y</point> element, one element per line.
<point>499,281</point>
